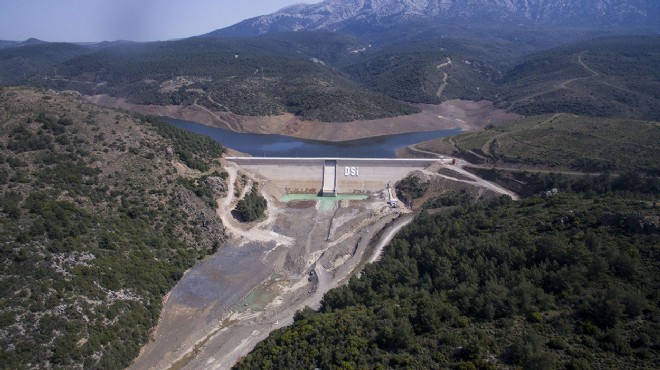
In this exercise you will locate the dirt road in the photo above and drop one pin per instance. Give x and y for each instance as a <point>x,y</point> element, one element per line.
<point>458,167</point>
<point>445,76</point>
<point>388,235</point>
<point>262,232</point>
<point>479,181</point>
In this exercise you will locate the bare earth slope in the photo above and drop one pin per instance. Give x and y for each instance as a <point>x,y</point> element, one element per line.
<point>462,114</point>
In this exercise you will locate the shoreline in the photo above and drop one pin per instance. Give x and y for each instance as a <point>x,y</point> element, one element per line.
<point>452,114</point>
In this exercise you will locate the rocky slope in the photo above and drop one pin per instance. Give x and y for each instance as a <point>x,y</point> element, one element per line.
<point>360,15</point>
<point>98,220</point>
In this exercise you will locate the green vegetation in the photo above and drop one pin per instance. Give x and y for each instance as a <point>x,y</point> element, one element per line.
<point>409,71</point>
<point>17,64</point>
<point>609,77</point>
<point>252,207</point>
<point>248,77</point>
<point>448,199</point>
<point>527,183</point>
<point>412,187</point>
<point>95,228</point>
<point>564,282</point>
<point>333,77</point>
<point>567,141</point>
<point>192,149</point>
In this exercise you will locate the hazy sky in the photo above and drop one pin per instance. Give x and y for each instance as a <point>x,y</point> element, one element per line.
<point>136,20</point>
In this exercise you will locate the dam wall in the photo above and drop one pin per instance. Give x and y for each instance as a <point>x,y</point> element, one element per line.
<point>351,176</point>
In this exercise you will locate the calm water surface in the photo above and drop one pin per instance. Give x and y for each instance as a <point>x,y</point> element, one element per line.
<point>285,146</point>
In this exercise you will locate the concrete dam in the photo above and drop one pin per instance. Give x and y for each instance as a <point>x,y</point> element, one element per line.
<point>332,176</point>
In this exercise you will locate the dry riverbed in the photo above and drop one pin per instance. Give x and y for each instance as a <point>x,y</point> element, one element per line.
<point>263,274</point>
<point>269,269</point>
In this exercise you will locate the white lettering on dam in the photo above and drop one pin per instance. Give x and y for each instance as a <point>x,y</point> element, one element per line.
<point>352,171</point>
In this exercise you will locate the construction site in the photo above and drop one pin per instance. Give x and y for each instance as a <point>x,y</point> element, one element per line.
<point>326,219</point>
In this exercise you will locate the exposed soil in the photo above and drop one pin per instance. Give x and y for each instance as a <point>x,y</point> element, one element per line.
<point>301,204</point>
<point>271,268</point>
<point>467,115</point>
<point>266,271</point>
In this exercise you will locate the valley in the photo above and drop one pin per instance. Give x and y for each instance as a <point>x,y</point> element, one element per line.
<point>346,184</point>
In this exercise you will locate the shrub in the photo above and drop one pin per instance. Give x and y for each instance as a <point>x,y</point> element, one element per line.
<point>252,207</point>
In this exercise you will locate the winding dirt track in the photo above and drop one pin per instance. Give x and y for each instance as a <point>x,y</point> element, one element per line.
<point>389,235</point>
<point>458,167</point>
<point>445,76</point>
<point>577,58</point>
<point>231,126</point>
<point>260,232</point>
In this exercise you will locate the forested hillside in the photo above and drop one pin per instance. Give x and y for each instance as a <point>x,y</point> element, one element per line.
<point>565,282</point>
<point>562,141</point>
<point>415,71</point>
<point>18,63</point>
<point>333,77</point>
<point>96,226</point>
<point>256,77</point>
<point>608,77</point>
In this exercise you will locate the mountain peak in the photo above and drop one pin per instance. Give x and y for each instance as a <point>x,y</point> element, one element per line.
<point>356,15</point>
<point>33,41</point>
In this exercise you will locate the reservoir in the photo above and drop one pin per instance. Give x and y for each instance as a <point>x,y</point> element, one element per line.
<point>259,145</point>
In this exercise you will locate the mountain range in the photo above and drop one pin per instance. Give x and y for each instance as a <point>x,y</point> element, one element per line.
<point>355,59</point>
<point>363,16</point>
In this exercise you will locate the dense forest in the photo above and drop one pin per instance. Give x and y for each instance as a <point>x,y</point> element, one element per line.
<point>96,226</point>
<point>17,64</point>
<point>570,281</point>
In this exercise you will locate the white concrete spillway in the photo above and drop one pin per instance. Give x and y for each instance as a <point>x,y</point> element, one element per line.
<point>330,176</point>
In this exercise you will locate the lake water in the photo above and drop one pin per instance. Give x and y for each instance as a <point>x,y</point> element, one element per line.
<point>285,146</point>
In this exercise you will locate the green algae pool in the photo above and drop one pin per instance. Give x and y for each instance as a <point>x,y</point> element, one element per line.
<point>256,300</point>
<point>325,203</point>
